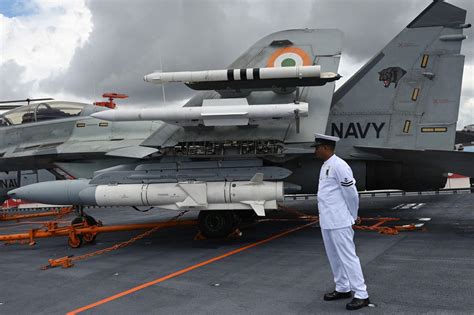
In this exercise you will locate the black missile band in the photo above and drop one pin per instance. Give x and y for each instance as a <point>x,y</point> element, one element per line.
<point>243,74</point>
<point>256,73</point>
<point>230,74</point>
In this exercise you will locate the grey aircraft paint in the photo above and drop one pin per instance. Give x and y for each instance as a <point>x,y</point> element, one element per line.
<point>405,98</point>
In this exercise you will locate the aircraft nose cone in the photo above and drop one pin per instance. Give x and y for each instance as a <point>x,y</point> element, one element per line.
<point>105,115</point>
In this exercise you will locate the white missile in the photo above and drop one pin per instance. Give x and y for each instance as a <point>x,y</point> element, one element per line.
<point>255,194</point>
<point>297,72</point>
<point>214,112</point>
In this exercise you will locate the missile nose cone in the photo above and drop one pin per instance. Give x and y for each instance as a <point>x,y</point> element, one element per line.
<point>15,193</point>
<point>60,192</point>
<point>105,115</point>
<point>154,77</point>
<point>28,192</point>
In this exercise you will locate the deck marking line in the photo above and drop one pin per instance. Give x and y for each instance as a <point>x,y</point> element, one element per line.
<point>188,269</point>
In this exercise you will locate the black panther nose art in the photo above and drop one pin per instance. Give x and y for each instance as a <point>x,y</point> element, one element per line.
<point>391,75</point>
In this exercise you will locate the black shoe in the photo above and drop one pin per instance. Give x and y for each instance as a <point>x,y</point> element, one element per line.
<point>337,295</point>
<point>356,303</point>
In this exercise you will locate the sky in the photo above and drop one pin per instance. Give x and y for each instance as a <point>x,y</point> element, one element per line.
<point>76,50</point>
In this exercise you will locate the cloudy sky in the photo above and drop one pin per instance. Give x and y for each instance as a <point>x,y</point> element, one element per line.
<point>78,49</point>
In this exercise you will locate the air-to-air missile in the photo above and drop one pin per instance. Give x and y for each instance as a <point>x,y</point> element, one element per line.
<point>238,74</point>
<point>170,186</point>
<point>253,78</point>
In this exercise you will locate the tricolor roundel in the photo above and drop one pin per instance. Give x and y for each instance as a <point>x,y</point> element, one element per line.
<point>289,57</point>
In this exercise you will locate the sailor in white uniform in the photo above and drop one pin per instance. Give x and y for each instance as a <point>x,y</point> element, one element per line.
<point>338,203</point>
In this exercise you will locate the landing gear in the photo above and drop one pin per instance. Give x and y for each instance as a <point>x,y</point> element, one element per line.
<point>217,224</point>
<point>246,217</point>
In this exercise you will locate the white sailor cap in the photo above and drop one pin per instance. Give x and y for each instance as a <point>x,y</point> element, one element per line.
<point>324,139</point>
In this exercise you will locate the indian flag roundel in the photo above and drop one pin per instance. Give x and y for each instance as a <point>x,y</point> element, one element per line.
<point>289,57</point>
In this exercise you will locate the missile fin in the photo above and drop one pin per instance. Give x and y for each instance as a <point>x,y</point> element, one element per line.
<point>188,202</point>
<point>196,191</point>
<point>257,206</point>
<point>257,178</point>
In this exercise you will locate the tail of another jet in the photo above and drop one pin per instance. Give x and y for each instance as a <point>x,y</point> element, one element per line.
<point>407,96</point>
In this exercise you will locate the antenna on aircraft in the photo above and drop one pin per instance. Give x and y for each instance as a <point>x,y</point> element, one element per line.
<point>27,100</point>
<point>161,69</point>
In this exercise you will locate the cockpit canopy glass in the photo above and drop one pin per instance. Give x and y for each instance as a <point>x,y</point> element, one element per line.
<point>41,112</point>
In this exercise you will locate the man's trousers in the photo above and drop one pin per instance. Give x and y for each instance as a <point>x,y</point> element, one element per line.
<point>345,264</point>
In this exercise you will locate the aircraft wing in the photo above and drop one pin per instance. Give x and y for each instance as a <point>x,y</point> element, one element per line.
<point>458,162</point>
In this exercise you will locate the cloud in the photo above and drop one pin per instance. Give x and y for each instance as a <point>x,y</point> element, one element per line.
<point>10,74</point>
<point>466,112</point>
<point>116,42</point>
<point>43,42</point>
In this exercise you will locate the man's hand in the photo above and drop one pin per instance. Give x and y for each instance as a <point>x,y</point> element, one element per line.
<point>358,220</point>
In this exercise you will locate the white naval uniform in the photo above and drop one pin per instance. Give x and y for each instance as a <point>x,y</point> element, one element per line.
<point>338,203</point>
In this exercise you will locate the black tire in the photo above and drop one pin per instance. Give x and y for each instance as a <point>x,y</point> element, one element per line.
<point>77,220</point>
<point>216,224</point>
<point>246,216</point>
<point>91,221</point>
<point>89,238</point>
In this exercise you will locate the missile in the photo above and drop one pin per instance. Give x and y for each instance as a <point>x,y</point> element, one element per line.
<point>214,112</point>
<point>255,194</point>
<point>297,72</point>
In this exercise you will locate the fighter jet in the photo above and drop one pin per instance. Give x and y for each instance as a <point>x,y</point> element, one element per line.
<point>244,142</point>
<point>63,138</point>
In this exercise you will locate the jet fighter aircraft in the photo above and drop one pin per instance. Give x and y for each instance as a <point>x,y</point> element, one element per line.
<point>245,142</point>
<point>63,138</point>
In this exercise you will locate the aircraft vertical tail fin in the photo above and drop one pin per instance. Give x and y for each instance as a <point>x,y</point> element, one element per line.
<point>407,96</point>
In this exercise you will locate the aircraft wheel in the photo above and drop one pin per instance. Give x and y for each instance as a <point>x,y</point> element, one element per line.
<point>77,220</point>
<point>91,221</point>
<point>89,237</point>
<point>246,217</point>
<point>216,224</point>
